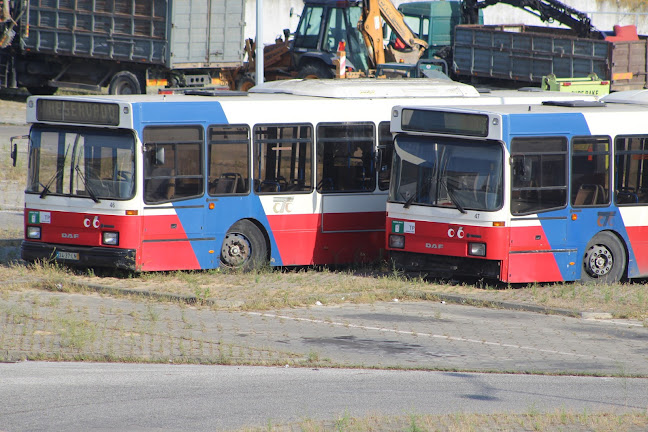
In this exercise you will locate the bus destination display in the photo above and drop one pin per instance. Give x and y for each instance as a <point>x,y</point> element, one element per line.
<point>66,111</point>
<point>445,122</point>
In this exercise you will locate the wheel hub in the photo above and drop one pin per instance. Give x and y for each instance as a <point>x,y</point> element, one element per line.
<point>599,261</point>
<point>236,250</point>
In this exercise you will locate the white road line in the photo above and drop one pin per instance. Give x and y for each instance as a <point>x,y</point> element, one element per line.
<point>430,335</point>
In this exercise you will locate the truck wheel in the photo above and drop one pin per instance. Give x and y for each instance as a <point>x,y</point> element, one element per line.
<point>246,83</point>
<point>244,247</point>
<point>315,71</point>
<point>604,261</point>
<point>124,83</point>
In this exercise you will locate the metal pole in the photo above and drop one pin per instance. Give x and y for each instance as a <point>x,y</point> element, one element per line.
<point>259,42</point>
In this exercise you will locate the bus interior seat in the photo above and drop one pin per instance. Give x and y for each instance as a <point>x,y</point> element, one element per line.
<point>271,185</point>
<point>589,194</point>
<point>227,183</point>
<point>627,196</point>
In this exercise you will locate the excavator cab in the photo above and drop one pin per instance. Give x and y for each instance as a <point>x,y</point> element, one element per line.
<point>322,26</point>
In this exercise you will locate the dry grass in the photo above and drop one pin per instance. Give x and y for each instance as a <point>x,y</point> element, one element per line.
<point>276,288</point>
<point>532,421</point>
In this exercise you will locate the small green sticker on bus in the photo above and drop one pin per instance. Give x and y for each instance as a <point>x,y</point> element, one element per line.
<point>397,227</point>
<point>33,217</point>
<point>39,217</point>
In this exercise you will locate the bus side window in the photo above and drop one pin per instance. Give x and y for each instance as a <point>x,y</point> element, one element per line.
<point>385,152</point>
<point>172,163</point>
<point>538,174</point>
<point>283,158</point>
<point>590,176</point>
<point>345,157</point>
<point>631,170</point>
<point>229,160</point>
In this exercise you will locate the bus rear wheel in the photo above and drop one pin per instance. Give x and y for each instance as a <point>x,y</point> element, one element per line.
<point>605,259</point>
<point>244,247</point>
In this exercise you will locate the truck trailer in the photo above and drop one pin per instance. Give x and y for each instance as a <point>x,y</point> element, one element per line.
<point>126,45</point>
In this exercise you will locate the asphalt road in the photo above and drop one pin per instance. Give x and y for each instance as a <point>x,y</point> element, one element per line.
<point>138,397</point>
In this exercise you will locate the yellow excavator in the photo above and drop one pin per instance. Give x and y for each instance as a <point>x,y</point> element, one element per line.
<point>313,50</point>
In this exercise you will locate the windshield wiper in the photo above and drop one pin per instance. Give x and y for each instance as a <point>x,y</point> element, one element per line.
<point>87,186</point>
<point>453,197</point>
<point>46,187</point>
<point>410,200</point>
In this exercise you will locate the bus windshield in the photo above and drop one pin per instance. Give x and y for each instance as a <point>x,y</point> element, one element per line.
<point>81,162</point>
<point>447,172</point>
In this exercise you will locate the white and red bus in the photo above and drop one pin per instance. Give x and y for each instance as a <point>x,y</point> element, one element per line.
<point>522,193</point>
<point>293,173</point>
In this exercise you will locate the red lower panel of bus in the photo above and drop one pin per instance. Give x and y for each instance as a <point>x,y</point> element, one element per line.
<point>170,255</point>
<point>525,267</point>
<point>349,237</point>
<point>165,245</point>
<point>638,236</point>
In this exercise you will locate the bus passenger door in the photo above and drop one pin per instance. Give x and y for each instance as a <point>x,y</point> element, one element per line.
<point>592,211</point>
<point>538,246</point>
<point>174,207</point>
<point>352,206</point>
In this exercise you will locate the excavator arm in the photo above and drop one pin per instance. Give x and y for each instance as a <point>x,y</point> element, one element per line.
<point>371,28</point>
<point>546,10</point>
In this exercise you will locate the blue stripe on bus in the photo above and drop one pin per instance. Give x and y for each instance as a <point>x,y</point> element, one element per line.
<point>590,220</point>
<point>198,223</point>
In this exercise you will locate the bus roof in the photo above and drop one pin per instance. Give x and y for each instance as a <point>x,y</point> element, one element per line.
<point>362,88</point>
<point>550,107</point>
<point>638,97</point>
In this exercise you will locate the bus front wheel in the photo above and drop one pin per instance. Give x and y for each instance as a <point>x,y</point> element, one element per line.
<point>244,246</point>
<point>604,260</point>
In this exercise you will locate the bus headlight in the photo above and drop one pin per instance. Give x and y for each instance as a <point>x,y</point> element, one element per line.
<point>477,249</point>
<point>110,238</point>
<point>33,232</point>
<point>396,241</point>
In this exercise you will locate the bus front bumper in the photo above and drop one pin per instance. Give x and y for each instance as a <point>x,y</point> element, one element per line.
<point>446,266</point>
<point>82,256</point>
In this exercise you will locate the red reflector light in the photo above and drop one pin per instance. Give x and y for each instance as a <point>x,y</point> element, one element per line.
<point>566,84</point>
<point>165,92</point>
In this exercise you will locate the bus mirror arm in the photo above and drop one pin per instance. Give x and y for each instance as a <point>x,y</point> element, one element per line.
<point>14,147</point>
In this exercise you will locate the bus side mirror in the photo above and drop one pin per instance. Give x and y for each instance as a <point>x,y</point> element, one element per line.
<point>522,168</point>
<point>14,153</point>
<point>159,156</point>
<point>14,147</point>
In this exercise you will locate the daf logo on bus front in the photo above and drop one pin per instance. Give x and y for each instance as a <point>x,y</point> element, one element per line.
<point>434,245</point>
<point>70,235</point>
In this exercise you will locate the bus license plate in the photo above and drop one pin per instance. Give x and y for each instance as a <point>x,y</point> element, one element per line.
<point>74,256</point>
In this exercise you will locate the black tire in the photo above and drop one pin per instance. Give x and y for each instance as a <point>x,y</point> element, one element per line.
<point>42,91</point>
<point>315,71</point>
<point>605,259</point>
<point>124,83</point>
<point>246,83</point>
<point>244,247</point>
